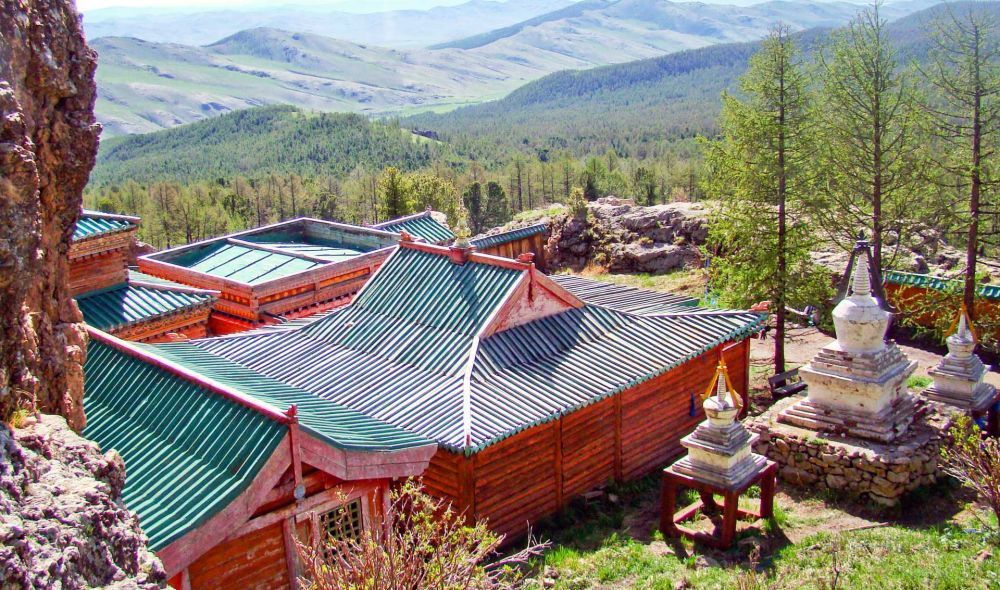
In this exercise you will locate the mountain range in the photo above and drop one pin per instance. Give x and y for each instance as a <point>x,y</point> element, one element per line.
<point>145,85</point>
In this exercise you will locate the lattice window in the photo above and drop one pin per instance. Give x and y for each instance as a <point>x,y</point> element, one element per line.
<point>343,522</point>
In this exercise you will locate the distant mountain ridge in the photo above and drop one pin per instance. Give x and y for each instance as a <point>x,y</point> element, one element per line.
<point>670,97</point>
<point>388,28</point>
<point>145,86</point>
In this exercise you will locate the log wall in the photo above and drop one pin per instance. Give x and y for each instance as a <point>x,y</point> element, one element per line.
<point>255,560</point>
<point>536,472</point>
<point>98,271</point>
<point>534,244</point>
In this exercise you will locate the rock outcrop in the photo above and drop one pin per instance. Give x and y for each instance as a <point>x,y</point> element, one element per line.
<point>623,237</point>
<point>48,143</point>
<point>62,521</point>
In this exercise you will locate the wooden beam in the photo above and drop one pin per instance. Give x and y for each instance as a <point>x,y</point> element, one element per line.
<point>184,551</point>
<point>291,561</point>
<point>559,462</point>
<point>618,436</point>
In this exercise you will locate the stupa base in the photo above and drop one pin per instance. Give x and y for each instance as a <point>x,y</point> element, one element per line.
<point>979,400</point>
<point>884,426</point>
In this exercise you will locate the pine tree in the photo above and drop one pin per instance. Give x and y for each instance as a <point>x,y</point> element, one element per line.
<point>870,152</point>
<point>497,210</point>
<point>472,199</point>
<point>760,171</point>
<point>393,193</point>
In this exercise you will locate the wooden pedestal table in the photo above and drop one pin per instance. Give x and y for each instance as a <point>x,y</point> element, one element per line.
<point>671,520</point>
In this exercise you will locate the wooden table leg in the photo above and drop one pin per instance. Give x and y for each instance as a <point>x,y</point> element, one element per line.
<point>767,493</point>
<point>708,501</point>
<point>668,506</point>
<point>729,517</point>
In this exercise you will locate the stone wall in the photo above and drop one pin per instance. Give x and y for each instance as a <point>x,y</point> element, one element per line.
<point>48,143</point>
<point>877,472</point>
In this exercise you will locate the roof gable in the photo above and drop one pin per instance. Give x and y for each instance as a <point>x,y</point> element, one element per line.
<point>169,430</point>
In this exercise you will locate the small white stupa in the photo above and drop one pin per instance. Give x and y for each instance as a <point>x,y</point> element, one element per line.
<point>857,384</point>
<point>958,378</point>
<point>719,448</point>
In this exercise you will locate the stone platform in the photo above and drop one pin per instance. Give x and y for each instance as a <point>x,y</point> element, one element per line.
<point>868,469</point>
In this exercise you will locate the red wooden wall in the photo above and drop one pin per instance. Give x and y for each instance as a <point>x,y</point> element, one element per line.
<point>626,436</point>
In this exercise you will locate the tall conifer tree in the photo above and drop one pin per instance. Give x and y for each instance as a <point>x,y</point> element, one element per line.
<point>760,172</point>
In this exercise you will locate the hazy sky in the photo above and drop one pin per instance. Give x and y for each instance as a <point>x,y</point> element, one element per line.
<point>371,5</point>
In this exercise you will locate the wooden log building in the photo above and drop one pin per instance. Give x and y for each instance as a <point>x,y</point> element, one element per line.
<point>125,303</point>
<point>515,243</point>
<point>532,395</point>
<point>276,272</point>
<point>907,292</point>
<point>227,469</point>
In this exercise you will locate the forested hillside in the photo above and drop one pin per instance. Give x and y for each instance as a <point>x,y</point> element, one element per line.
<point>635,108</point>
<point>277,139</point>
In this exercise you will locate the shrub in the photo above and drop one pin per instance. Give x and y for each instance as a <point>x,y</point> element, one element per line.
<point>974,461</point>
<point>420,542</point>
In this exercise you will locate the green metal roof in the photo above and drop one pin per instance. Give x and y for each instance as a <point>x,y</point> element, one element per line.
<point>421,225</point>
<point>401,352</point>
<point>188,452</point>
<point>92,224</point>
<point>243,264</point>
<point>896,277</point>
<point>127,304</point>
<point>509,236</point>
<point>623,298</point>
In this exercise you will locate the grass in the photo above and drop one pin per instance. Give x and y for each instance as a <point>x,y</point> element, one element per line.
<point>919,382</point>
<point>690,282</point>
<point>604,545</point>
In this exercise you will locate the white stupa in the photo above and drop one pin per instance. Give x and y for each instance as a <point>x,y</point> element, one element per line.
<point>958,378</point>
<point>719,448</point>
<point>857,383</point>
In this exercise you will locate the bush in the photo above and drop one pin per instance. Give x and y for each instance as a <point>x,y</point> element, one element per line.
<point>420,542</point>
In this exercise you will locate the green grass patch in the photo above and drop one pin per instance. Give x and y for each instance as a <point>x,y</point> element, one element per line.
<point>919,382</point>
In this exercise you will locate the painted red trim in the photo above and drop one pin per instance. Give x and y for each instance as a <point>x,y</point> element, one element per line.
<point>188,375</point>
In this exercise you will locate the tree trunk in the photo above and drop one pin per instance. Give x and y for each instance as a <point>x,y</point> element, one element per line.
<point>779,331</point>
<point>971,251</point>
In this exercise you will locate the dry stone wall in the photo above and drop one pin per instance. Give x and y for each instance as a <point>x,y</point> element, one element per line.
<point>881,473</point>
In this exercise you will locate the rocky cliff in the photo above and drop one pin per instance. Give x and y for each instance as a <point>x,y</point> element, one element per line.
<point>48,142</point>
<point>62,523</point>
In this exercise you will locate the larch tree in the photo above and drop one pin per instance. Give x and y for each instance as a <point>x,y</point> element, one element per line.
<point>964,70</point>
<point>761,173</point>
<point>870,153</point>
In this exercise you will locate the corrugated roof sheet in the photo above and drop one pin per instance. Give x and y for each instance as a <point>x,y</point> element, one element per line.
<point>243,264</point>
<point>92,224</point>
<point>421,225</point>
<point>623,298</point>
<point>400,352</point>
<point>509,236</point>
<point>127,304</point>
<point>896,277</point>
<point>189,452</point>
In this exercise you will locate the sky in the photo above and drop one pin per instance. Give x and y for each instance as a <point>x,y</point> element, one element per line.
<point>369,5</point>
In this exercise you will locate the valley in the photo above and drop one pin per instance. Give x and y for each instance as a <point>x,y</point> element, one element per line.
<point>145,85</point>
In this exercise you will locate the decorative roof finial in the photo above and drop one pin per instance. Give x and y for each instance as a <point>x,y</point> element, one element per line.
<point>861,285</point>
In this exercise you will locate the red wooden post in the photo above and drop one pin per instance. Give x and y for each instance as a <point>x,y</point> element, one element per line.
<point>668,505</point>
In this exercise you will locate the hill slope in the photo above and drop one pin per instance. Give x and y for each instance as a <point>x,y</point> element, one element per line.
<point>389,28</point>
<point>267,139</point>
<point>146,86</point>
<point>630,106</point>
